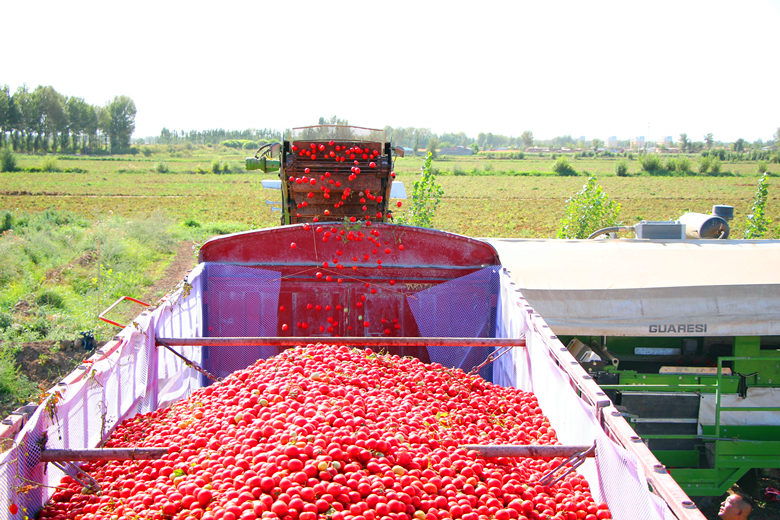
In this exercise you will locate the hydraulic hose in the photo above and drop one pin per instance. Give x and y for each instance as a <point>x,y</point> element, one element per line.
<point>613,229</point>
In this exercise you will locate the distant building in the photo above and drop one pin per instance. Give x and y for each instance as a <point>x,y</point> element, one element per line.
<point>638,142</point>
<point>458,150</point>
<point>665,141</point>
<point>612,142</point>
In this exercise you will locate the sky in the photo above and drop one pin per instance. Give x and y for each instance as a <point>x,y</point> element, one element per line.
<point>595,69</point>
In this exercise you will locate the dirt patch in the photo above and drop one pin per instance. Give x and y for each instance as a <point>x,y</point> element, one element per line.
<point>182,264</point>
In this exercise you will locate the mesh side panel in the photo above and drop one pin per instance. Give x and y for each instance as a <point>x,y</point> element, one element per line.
<point>620,478</point>
<point>238,301</point>
<point>18,468</point>
<point>461,308</point>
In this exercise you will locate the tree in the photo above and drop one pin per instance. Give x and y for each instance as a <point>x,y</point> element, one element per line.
<point>739,145</point>
<point>103,128</point>
<point>684,142</point>
<point>589,210</point>
<point>5,112</point>
<point>54,120</point>
<point>596,144</point>
<point>79,114</point>
<point>433,144</point>
<point>121,112</point>
<point>709,140</point>
<point>777,138</point>
<point>528,138</point>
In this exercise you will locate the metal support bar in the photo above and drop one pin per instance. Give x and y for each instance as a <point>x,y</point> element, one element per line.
<point>576,460</point>
<point>102,454</point>
<point>191,364</point>
<point>528,450</point>
<point>352,341</point>
<point>68,467</point>
<point>115,324</point>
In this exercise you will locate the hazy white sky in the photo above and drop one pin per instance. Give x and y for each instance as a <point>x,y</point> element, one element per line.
<point>597,68</point>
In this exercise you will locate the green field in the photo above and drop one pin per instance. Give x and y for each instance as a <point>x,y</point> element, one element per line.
<point>482,197</point>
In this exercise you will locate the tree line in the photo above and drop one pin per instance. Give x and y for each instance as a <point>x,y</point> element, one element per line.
<point>44,121</point>
<point>426,139</point>
<point>213,136</point>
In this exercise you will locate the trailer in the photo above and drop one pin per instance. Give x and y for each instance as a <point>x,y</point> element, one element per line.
<point>330,279</point>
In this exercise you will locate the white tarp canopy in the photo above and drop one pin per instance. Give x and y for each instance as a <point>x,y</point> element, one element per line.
<point>636,287</point>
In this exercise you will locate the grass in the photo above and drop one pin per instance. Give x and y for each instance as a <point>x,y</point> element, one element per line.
<point>502,199</point>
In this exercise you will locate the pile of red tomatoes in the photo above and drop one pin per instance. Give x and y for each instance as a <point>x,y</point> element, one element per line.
<point>333,433</point>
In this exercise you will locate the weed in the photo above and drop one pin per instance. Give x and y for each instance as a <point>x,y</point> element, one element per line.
<point>161,167</point>
<point>589,210</point>
<point>621,168</point>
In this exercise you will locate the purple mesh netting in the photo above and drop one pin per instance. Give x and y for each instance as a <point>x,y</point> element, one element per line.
<point>238,301</point>
<point>461,308</point>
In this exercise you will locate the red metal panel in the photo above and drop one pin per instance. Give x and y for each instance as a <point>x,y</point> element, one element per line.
<point>361,292</point>
<point>421,247</point>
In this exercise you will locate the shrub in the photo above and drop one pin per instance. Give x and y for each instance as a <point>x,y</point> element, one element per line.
<point>239,143</point>
<point>562,167</point>
<point>684,165</point>
<point>6,221</point>
<point>50,298</point>
<point>589,210</point>
<point>757,222</point>
<point>621,168</point>
<point>13,382</point>
<point>161,167</point>
<point>216,167</point>
<point>50,165</point>
<point>715,166</point>
<point>426,195</point>
<point>671,165</point>
<point>762,167</point>
<point>651,163</point>
<point>704,164</point>
<point>7,160</point>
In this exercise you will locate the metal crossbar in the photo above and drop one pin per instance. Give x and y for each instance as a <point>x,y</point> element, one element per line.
<point>352,341</point>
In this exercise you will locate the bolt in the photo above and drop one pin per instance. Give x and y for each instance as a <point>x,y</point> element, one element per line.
<point>687,504</point>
